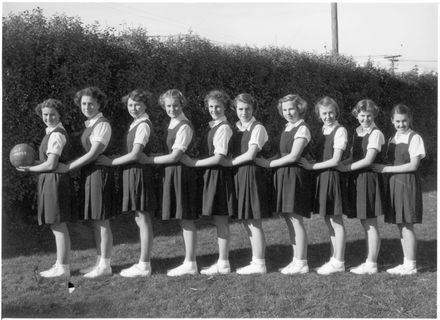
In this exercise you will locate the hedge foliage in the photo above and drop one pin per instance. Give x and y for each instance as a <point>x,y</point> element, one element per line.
<point>54,57</point>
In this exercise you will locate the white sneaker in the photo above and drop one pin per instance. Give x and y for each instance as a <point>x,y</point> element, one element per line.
<point>99,271</point>
<point>253,268</point>
<point>183,269</point>
<point>295,268</point>
<point>402,270</point>
<point>55,271</point>
<point>364,268</point>
<point>135,271</point>
<point>216,269</point>
<point>329,268</point>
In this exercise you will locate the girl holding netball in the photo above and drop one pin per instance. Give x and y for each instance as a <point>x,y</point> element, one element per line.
<point>54,189</point>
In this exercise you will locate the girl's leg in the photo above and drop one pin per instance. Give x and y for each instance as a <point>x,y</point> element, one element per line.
<point>409,247</point>
<point>143,267</point>
<point>372,238</point>
<point>62,241</point>
<point>339,237</point>
<point>143,220</point>
<point>336,228</point>
<point>298,236</point>
<point>104,241</point>
<point>255,232</point>
<point>189,265</point>
<point>223,236</point>
<point>372,241</point>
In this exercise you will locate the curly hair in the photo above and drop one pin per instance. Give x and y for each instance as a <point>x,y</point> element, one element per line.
<point>366,105</point>
<point>93,92</point>
<point>138,95</point>
<point>220,96</point>
<point>172,93</point>
<point>299,103</point>
<point>52,104</point>
<point>327,102</point>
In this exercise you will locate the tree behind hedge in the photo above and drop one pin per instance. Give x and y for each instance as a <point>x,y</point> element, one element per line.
<point>54,57</point>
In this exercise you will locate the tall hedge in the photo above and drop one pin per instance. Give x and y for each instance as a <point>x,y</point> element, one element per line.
<point>54,57</point>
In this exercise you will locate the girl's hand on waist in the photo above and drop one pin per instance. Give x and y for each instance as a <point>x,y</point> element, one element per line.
<point>262,162</point>
<point>378,167</point>
<point>104,161</point>
<point>23,169</point>
<point>303,162</point>
<point>62,168</point>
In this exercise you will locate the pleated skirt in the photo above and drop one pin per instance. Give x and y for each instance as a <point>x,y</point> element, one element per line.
<point>218,195</point>
<point>138,193</point>
<point>328,194</point>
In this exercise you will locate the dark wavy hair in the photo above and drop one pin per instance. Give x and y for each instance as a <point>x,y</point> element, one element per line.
<point>138,95</point>
<point>93,92</point>
<point>366,105</point>
<point>220,96</point>
<point>52,104</point>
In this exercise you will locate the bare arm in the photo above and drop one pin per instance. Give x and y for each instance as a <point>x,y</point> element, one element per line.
<point>47,166</point>
<point>294,155</point>
<point>407,167</point>
<point>96,149</point>
<point>249,155</point>
<point>132,156</point>
<point>169,158</point>
<point>330,163</point>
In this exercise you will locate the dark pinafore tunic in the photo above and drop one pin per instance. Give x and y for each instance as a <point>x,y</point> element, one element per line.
<point>404,191</point>
<point>250,184</point>
<point>292,183</point>
<point>218,183</point>
<point>364,189</point>
<point>328,192</point>
<point>97,185</point>
<point>179,194</point>
<point>54,189</point>
<point>137,180</point>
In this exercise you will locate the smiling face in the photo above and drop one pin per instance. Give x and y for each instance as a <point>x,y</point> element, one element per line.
<point>365,118</point>
<point>172,106</point>
<point>216,109</point>
<point>50,117</point>
<point>401,122</point>
<point>89,106</point>
<point>244,111</point>
<point>290,112</point>
<point>327,114</point>
<point>136,108</point>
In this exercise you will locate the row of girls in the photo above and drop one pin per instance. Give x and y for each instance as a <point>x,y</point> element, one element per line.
<point>353,186</point>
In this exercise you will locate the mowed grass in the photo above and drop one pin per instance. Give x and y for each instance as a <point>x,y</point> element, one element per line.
<point>29,249</point>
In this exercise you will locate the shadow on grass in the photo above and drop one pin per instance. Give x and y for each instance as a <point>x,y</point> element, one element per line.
<point>278,256</point>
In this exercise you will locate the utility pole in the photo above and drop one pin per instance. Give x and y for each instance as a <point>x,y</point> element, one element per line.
<point>335,44</point>
<point>393,59</point>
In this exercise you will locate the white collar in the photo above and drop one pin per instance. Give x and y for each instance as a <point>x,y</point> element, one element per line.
<point>328,129</point>
<point>290,125</point>
<point>405,134</point>
<point>139,119</point>
<point>361,131</point>
<point>214,123</point>
<point>175,121</point>
<point>90,123</point>
<point>245,126</point>
<point>59,125</point>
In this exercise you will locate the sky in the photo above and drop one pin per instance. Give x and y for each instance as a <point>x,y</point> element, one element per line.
<point>365,30</point>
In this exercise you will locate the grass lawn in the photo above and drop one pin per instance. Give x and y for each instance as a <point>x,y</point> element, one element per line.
<point>29,249</point>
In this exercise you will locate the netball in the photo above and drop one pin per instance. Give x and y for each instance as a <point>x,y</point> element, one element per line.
<point>22,155</point>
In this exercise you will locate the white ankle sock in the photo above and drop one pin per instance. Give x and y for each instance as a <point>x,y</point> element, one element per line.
<point>336,261</point>
<point>409,263</point>
<point>144,265</point>
<point>260,262</point>
<point>104,262</point>
<point>223,263</point>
